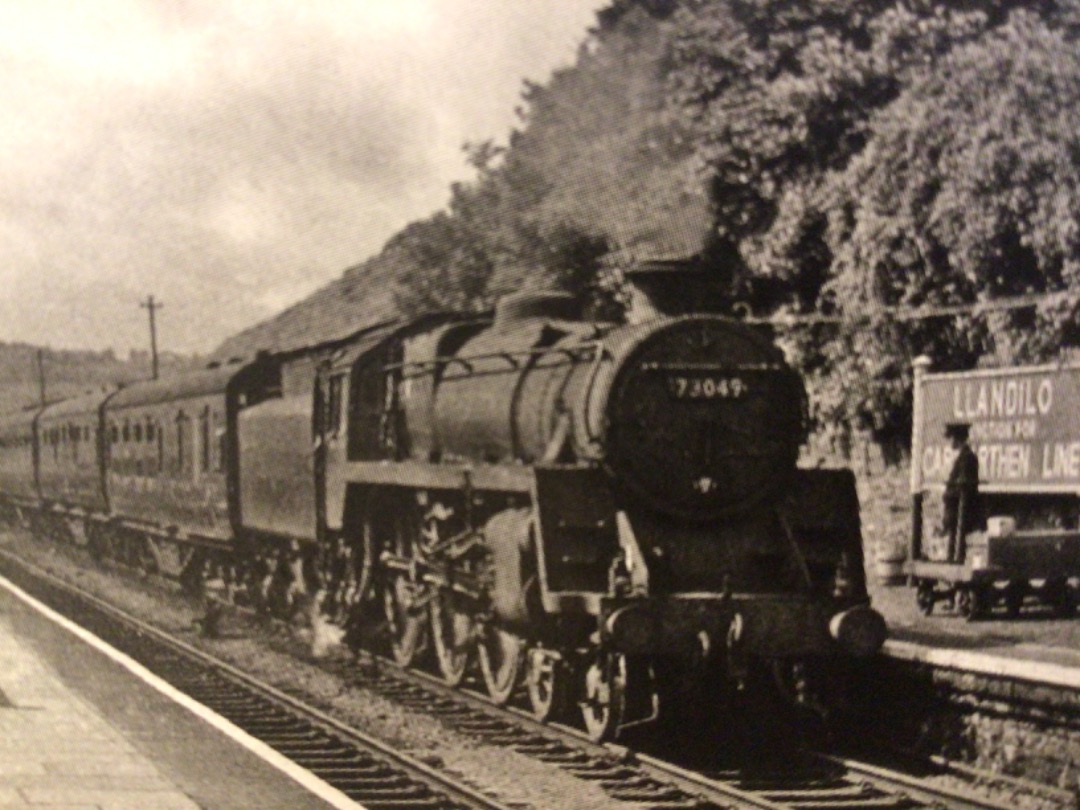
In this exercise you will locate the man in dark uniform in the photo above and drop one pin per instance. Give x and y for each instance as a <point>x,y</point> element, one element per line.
<point>961,496</point>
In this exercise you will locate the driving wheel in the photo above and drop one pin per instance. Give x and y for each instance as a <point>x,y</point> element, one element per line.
<point>500,653</point>
<point>1060,597</point>
<point>453,633</point>
<point>547,677</point>
<point>405,599</point>
<point>1014,597</point>
<point>972,602</point>
<point>603,702</point>
<point>405,622</point>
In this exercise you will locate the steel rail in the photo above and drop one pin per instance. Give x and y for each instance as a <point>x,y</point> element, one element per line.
<point>860,778</point>
<point>445,791</point>
<point>850,783</point>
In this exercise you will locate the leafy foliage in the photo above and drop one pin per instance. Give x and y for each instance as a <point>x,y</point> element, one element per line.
<point>834,158</point>
<point>877,154</point>
<point>599,166</point>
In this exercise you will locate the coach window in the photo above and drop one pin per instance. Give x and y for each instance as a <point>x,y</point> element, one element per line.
<point>136,436</point>
<point>204,440</point>
<point>127,431</point>
<point>115,437</point>
<point>219,434</point>
<point>149,431</point>
<point>181,449</point>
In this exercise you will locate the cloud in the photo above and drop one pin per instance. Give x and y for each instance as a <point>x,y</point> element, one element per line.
<point>230,156</point>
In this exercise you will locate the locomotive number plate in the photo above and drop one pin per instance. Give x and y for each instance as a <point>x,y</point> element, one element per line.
<point>697,386</point>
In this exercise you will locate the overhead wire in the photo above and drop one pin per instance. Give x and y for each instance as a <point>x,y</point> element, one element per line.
<point>901,313</point>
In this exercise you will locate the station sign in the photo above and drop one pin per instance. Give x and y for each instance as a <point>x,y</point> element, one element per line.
<point>1025,426</point>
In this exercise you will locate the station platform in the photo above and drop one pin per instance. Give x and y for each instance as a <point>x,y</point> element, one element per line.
<point>57,751</point>
<point>77,730</point>
<point>1035,647</point>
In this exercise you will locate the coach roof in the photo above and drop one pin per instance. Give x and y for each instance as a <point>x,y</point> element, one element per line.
<point>186,385</point>
<point>77,406</point>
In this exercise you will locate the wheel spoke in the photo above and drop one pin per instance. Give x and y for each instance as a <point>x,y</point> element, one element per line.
<point>924,597</point>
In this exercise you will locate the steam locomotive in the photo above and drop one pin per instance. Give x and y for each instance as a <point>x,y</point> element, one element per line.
<point>586,511</point>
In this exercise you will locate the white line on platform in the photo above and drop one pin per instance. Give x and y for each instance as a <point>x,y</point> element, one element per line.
<point>303,777</point>
<point>983,663</point>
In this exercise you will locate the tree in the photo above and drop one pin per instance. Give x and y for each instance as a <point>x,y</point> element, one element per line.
<point>599,164</point>
<point>439,266</point>
<point>888,153</point>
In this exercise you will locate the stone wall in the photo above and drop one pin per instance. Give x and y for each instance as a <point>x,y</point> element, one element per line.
<point>1007,726</point>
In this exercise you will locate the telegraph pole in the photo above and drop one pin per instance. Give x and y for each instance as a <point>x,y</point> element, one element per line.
<point>41,374</point>
<point>152,305</point>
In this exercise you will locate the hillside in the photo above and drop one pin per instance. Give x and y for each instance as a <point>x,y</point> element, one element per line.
<point>68,373</point>
<point>363,296</point>
<point>837,160</point>
<point>597,169</point>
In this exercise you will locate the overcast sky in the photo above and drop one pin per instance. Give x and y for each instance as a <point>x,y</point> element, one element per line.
<point>231,156</point>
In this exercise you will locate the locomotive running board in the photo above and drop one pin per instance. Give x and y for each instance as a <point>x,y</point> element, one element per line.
<point>447,476</point>
<point>576,536</point>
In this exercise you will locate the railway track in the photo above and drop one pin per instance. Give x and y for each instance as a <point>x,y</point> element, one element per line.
<point>787,778</point>
<point>355,763</point>
<point>363,768</point>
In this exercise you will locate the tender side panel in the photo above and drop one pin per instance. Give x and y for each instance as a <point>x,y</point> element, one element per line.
<point>277,481</point>
<point>167,464</point>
